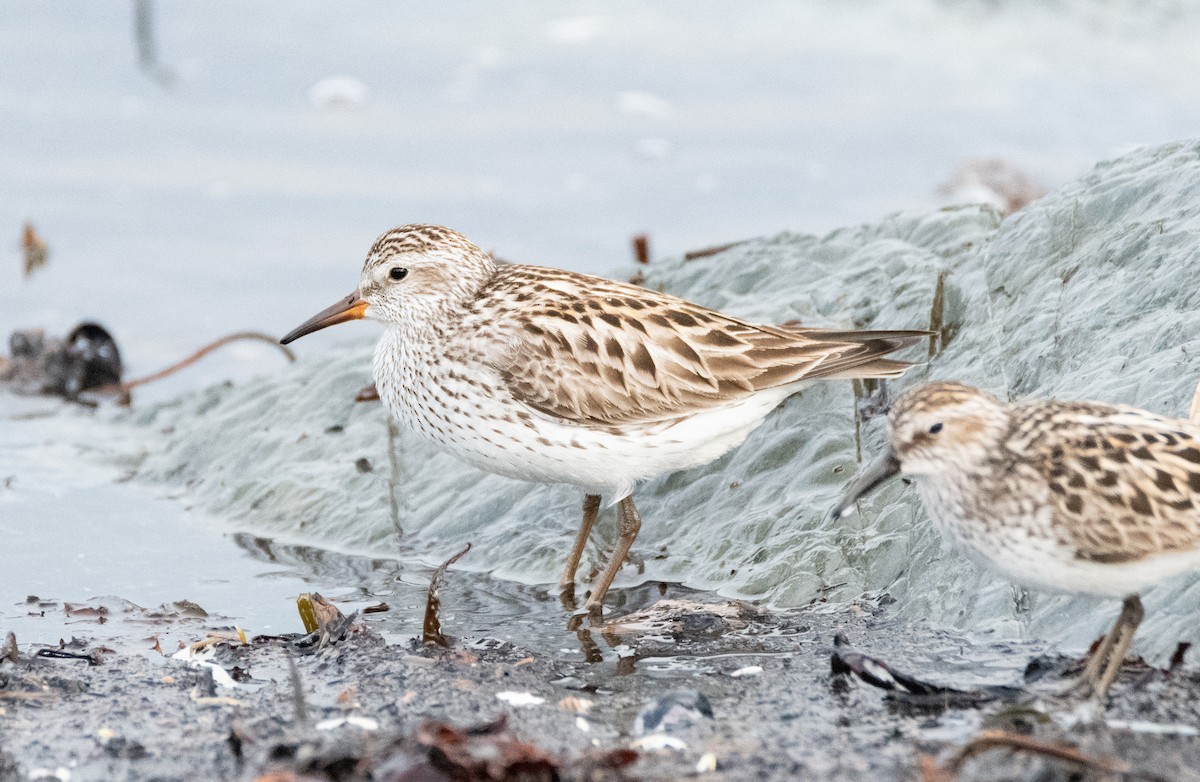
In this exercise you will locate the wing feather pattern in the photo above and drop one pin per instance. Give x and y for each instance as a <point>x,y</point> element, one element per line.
<point>601,353</point>
<point>1125,483</point>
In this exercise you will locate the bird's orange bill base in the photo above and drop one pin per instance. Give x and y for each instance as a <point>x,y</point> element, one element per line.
<point>353,307</point>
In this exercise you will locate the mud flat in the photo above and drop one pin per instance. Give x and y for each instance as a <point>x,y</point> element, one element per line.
<point>366,708</point>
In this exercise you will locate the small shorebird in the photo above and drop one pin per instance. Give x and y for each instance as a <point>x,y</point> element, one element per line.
<point>556,377</point>
<point>1075,497</point>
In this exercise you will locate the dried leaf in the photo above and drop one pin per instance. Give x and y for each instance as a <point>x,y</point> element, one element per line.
<point>431,632</point>
<point>35,249</point>
<point>486,753</point>
<point>8,652</point>
<point>308,615</point>
<point>323,622</point>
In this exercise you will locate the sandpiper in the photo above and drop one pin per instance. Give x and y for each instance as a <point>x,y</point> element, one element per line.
<point>556,377</point>
<point>1076,497</point>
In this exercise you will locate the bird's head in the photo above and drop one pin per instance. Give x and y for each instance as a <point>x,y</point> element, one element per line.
<point>411,273</point>
<point>934,429</point>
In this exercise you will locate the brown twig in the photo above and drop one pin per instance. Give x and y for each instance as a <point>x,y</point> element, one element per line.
<point>937,311</point>
<point>124,389</point>
<point>707,251</point>
<point>1000,739</point>
<point>641,248</point>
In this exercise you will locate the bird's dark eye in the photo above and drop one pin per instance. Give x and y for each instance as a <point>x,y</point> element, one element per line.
<point>398,273</point>
<point>935,428</point>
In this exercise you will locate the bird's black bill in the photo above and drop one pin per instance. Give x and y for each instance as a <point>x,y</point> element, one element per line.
<point>353,307</point>
<point>886,467</point>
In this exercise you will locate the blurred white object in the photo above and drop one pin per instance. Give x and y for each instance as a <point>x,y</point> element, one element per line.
<point>575,29</point>
<point>199,658</point>
<point>658,741</point>
<point>60,773</point>
<point>643,104</point>
<point>465,84</point>
<point>749,670</point>
<point>337,93</point>
<point>520,698</point>
<point>992,181</point>
<point>653,148</point>
<point>707,183</point>
<point>366,723</point>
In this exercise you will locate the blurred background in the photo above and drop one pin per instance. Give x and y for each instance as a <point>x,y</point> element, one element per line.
<point>199,167</point>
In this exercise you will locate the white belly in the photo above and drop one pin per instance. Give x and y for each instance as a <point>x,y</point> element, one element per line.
<point>1025,550</point>
<point>473,417</point>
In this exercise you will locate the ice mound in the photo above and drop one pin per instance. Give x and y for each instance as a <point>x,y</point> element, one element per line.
<point>1088,293</point>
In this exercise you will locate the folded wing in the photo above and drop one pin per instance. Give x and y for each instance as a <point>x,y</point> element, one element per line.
<point>622,354</point>
<point>1125,484</point>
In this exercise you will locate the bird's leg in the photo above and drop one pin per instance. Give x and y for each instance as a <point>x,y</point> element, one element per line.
<point>1096,661</point>
<point>630,523</point>
<point>591,507</point>
<point>1122,635</point>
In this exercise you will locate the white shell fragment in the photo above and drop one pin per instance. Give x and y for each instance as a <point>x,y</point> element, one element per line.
<point>366,723</point>
<point>60,773</point>
<point>655,742</point>
<point>520,698</point>
<point>200,659</point>
<point>1155,728</point>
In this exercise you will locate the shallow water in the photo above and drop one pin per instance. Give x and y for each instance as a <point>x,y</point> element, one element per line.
<point>89,551</point>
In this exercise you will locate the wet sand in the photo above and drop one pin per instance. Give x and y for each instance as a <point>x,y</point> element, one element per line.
<point>353,710</point>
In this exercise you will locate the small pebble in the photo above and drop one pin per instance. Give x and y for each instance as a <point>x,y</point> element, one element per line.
<point>577,705</point>
<point>674,711</point>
